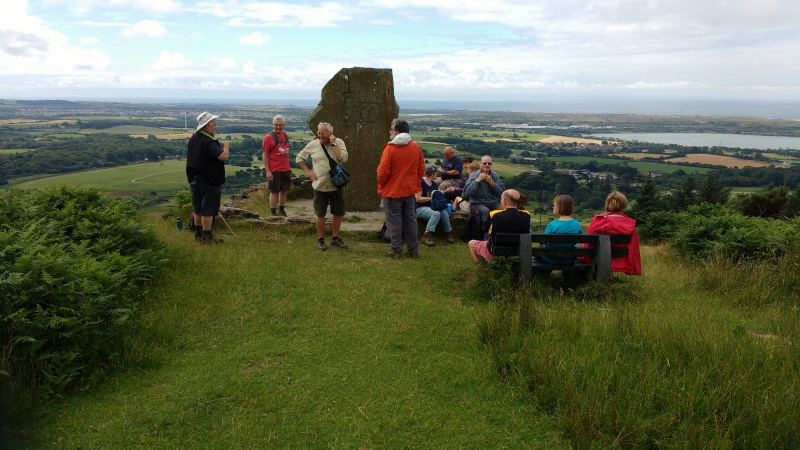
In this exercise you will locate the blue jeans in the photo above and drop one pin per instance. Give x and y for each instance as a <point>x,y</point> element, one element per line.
<point>434,217</point>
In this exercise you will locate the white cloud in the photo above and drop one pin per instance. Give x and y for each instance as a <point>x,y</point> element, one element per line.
<point>88,6</point>
<point>28,45</point>
<point>225,63</point>
<point>248,68</point>
<point>255,38</point>
<point>169,61</point>
<point>255,13</point>
<point>145,28</point>
<point>89,40</point>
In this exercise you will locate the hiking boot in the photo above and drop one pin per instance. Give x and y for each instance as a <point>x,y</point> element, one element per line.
<point>209,238</point>
<point>450,238</point>
<point>394,254</point>
<point>427,239</point>
<point>413,255</point>
<point>337,242</point>
<point>198,234</point>
<point>282,213</point>
<point>321,245</point>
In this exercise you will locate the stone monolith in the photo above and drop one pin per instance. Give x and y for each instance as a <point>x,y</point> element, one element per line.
<point>359,103</point>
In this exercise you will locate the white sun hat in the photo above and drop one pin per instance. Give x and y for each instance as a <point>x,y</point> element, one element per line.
<point>204,118</point>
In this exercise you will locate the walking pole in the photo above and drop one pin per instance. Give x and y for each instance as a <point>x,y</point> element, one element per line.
<point>226,224</point>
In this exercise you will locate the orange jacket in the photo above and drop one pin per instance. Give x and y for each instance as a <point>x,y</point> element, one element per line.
<point>400,171</point>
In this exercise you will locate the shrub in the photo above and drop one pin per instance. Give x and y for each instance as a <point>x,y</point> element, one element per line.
<point>72,270</point>
<point>706,230</point>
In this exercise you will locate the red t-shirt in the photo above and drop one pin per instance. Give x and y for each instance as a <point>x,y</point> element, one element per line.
<point>277,153</point>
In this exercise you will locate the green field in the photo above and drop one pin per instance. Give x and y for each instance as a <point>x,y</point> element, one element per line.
<point>143,177</point>
<point>9,151</point>
<point>133,129</point>
<point>443,135</point>
<point>642,167</point>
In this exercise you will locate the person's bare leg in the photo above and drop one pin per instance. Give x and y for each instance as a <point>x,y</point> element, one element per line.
<point>321,227</point>
<point>336,223</point>
<point>207,222</point>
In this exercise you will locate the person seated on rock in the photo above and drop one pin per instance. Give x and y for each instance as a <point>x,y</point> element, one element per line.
<point>482,188</point>
<point>614,221</point>
<point>424,210</point>
<point>453,194</point>
<point>563,207</point>
<point>510,219</point>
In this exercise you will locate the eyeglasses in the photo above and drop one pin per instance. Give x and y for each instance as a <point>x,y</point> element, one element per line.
<point>487,164</point>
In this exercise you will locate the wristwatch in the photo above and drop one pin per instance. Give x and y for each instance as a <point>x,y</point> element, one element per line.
<point>333,145</point>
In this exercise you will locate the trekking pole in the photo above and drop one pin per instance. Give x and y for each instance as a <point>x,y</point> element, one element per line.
<point>226,224</point>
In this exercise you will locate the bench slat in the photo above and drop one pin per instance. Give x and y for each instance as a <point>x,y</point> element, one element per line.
<point>522,245</point>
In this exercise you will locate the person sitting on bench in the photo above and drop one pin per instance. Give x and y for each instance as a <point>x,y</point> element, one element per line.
<point>614,221</point>
<point>510,219</point>
<point>563,207</point>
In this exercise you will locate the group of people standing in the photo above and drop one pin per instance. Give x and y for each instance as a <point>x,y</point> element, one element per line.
<point>409,188</point>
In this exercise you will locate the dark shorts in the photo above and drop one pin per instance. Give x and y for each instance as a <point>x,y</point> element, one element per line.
<point>281,181</point>
<point>334,198</point>
<point>205,200</point>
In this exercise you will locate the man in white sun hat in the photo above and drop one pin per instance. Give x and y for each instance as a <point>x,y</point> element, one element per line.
<point>205,170</point>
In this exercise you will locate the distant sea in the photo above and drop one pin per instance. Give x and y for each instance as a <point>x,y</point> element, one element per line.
<point>771,109</point>
<point>719,108</point>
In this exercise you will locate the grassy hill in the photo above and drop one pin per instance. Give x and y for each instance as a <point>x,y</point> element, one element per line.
<point>265,341</point>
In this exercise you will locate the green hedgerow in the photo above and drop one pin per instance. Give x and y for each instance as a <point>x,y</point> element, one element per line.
<point>704,231</point>
<point>73,266</point>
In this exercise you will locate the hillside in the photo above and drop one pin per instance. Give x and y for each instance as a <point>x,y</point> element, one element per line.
<point>264,340</point>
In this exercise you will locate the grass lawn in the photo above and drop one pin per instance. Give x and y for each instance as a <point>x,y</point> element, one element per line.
<point>640,166</point>
<point>265,341</point>
<point>8,151</point>
<point>132,178</point>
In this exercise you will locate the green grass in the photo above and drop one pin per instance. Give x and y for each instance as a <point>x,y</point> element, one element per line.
<point>142,177</point>
<point>641,166</point>
<point>265,341</point>
<point>132,129</point>
<point>8,151</point>
<point>685,356</point>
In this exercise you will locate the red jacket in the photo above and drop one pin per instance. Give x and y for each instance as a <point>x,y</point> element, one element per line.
<point>400,170</point>
<point>618,223</point>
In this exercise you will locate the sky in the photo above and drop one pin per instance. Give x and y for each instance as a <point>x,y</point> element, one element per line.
<point>437,49</point>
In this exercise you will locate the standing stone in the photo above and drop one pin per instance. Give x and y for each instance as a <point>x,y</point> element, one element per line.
<point>359,103</point>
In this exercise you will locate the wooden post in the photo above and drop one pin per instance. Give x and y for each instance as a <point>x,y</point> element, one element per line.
<point>525,255</point>
<point>602,260</point>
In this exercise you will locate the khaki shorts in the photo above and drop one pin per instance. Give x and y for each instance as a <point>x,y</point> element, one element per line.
<point>281,181</point>
<point>334,198</point>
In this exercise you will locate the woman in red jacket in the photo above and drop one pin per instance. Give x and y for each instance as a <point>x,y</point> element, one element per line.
<point>614,221</point>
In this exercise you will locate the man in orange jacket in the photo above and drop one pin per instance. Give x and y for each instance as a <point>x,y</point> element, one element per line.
<point>400,172</point>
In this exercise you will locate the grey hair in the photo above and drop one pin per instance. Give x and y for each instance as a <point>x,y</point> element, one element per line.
<point>326,124</point>
<point>277,118</point>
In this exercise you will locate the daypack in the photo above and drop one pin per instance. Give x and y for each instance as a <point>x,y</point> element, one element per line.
<point>438,201</point>
<point>384,233</point>
<point>275,136</point>
<point>472,228</point>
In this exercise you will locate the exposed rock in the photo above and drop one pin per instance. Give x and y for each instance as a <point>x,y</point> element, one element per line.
<point>359,102</point>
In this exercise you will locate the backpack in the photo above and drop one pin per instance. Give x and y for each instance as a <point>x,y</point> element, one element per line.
<point>275,136</point>
<point>472,228</point>
<point>438,201</point>
<point>384,233</point>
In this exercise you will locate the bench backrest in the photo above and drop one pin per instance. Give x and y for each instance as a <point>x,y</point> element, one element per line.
<point>507,244</point>
<point>526,246</point>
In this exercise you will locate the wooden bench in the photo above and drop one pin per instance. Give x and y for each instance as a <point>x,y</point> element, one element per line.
<point>526,246</point>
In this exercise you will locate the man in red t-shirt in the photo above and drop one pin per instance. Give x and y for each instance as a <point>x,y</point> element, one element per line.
<point>275,154</point>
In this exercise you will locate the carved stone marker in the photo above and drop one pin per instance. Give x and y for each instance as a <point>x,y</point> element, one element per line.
<point>359,103</point>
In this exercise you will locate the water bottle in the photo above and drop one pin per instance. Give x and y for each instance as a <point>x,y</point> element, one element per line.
<point>180,224</point>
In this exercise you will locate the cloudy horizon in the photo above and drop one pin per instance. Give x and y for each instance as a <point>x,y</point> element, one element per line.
<point>491,50</point>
